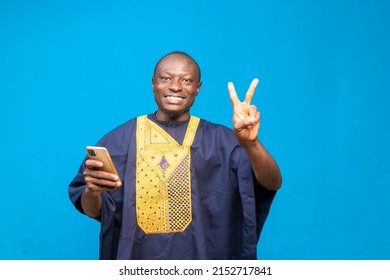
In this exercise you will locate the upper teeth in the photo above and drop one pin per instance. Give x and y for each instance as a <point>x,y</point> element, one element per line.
<point>174,97</point>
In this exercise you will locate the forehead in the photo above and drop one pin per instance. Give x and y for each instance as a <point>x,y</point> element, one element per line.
<point>176,63</point>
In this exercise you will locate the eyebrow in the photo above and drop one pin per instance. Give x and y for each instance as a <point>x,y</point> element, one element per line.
<point>182,74</point>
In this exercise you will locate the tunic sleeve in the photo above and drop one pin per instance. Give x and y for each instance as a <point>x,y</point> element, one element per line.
<point>256,202</point>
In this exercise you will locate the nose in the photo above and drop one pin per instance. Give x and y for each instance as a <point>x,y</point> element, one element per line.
<point>176,85</point>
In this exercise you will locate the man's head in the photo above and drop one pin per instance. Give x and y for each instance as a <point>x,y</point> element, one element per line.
<point>176,82</point>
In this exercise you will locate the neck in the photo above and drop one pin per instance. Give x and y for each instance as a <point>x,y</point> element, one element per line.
<point>172,117</point>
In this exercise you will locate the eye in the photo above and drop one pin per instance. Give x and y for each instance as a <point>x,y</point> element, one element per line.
<point>187,81</point>
<point>165,78</point>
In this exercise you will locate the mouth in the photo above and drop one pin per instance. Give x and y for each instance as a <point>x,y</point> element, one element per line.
<point>174,98</point>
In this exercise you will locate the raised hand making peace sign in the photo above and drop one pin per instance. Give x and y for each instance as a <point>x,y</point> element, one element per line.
<point>246,118</point>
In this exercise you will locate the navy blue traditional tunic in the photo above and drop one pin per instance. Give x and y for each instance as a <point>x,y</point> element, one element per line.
<point>229,207</point>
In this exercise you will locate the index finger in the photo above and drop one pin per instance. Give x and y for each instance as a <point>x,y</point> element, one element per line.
<point>91,163</point>
<point>233,94</point>
<point>251,91</point>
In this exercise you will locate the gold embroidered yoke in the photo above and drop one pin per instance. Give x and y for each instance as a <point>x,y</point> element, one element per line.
<point>163,178</point>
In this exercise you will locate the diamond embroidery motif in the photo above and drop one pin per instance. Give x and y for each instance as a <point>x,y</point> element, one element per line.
<point>163,164</point>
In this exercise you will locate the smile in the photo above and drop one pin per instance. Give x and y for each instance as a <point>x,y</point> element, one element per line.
<point>174,98</point>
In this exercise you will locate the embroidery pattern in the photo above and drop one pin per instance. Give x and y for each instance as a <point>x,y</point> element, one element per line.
<point>163,179</point>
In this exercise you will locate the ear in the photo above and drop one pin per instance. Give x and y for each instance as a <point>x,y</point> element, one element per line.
<point>153,82</point>
<point>198,87</point>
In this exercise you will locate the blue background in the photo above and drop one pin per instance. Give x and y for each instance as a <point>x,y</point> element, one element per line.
<point>70,71</point>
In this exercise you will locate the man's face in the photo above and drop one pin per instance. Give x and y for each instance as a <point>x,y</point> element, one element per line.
<point>175,86</point>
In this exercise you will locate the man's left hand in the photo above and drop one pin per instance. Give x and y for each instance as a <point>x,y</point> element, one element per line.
<point>246,118</point>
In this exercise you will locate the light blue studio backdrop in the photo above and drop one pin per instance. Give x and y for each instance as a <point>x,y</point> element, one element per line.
<point>70,71</point>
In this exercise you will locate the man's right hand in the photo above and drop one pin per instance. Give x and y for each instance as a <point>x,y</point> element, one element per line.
<point>98,181</point>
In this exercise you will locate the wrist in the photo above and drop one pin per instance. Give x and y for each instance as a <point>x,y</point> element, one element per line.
<point>248,144</point>
<point>91,193</point>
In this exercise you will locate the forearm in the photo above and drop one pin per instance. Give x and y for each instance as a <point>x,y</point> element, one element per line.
<point>91,203</point>
<point>264,166</point>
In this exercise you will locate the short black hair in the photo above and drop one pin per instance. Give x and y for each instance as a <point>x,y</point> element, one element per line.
<point>178,53</point>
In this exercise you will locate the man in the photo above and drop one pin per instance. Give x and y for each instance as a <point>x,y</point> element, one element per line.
<point>187,188</point>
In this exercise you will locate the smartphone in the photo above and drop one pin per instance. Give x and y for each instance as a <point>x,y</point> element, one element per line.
<point>101,154</point>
